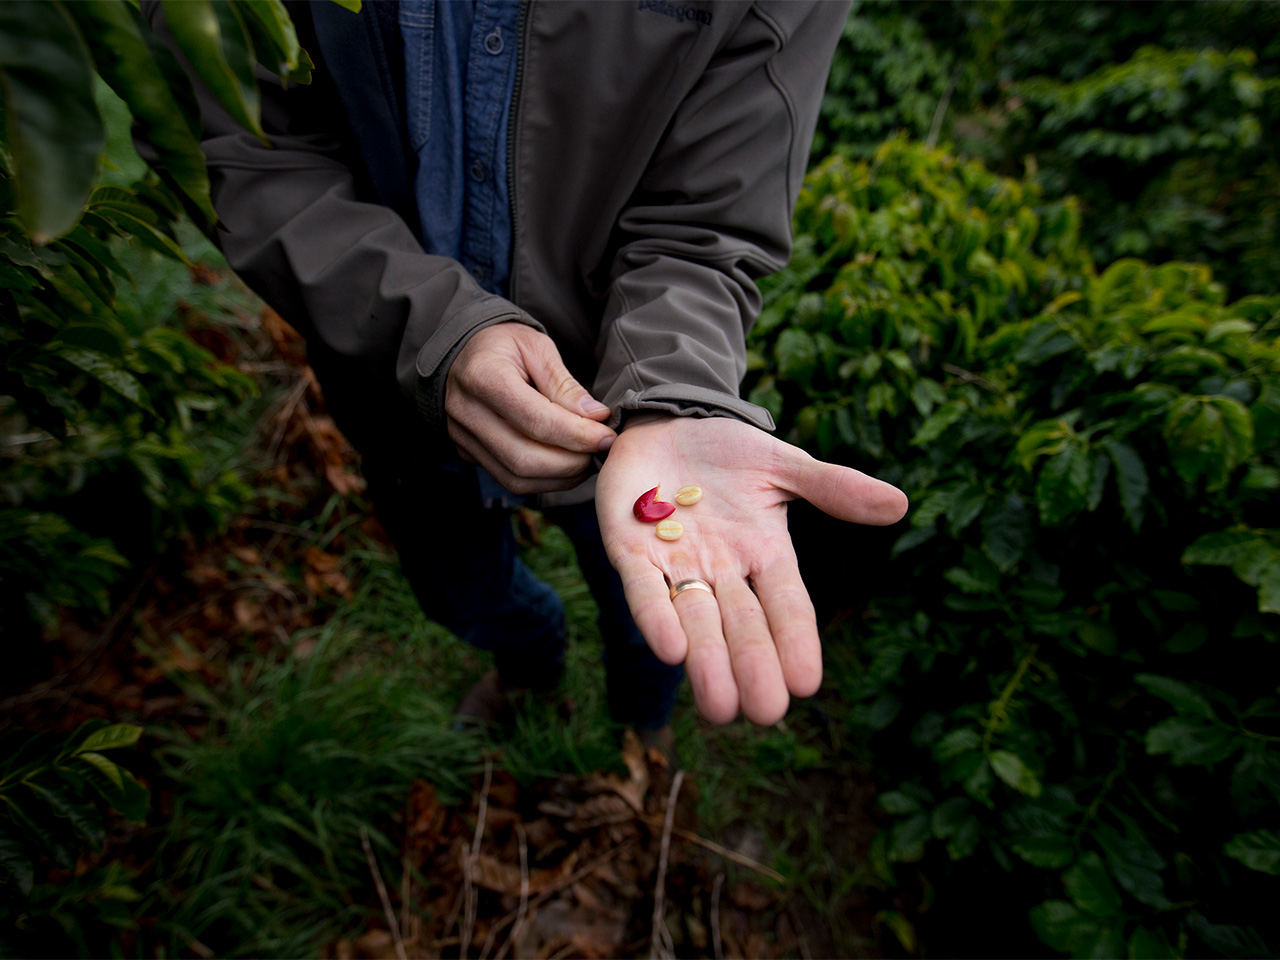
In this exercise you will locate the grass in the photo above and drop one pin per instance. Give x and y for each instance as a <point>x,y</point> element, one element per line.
<point>262,855</point>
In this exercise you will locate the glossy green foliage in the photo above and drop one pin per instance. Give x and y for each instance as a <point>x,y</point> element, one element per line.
<point>53,134</point>
<point>1069,660</point>
<point>886,76</point>
<point>1156,116</point>
<point>1170,154</point>
<point>99,395</point>
<point>55,796</point>
<point>97,391</point>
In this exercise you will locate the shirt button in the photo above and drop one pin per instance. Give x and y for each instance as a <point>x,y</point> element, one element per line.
<point>493,43</point>
<point>478,172</point>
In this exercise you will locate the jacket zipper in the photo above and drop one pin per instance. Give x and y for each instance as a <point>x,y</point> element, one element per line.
<point>521,29</point>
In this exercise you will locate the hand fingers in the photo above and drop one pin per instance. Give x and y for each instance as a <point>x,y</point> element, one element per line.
<point>552,379</point>
<point>648,598</point>
<point>505,394</point>
<point>756,668</point>
<point>793,623</point>
<point>842,492</point>
<point>525,467</point>
<point>708,664</point>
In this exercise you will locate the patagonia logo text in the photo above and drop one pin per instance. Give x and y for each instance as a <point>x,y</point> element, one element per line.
<point>680,12</point>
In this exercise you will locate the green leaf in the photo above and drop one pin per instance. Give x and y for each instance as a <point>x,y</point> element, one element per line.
<point>949,816</point>
<point>1062,489</point>
<point>1227,939</point>
<point>1148,944</point>
<point>104,766</point>
<point>908,838</point>
<point>956,742</point>
<point>111,738</point>
<point>936,425</point>
<point>977,574</point>
<point>52,129</point>
<point>1008,766</point>
<point>1258,850</point>
<point>1134,862</point>
<point>1208,437</point>
<point>1053,853</point>
<point>766,394</point>
<point>898,803</point>
<point>1190,743</point>
<point>66,801</point>
<point>1131,480</point>
<point>797,356</point>
<point>1269,589</point>
<point>106,371</point>
<point>136,221</point>
<point>1068,930</point>
<point>1181,696</point>
<point>1242,549</point>
<point>965,507</point>
<point>965,839</point>
<point>133,800</point>
<point>1266,418</point>
<point>1006,530</point>
<point>16,864</point>
<point>1090,888</point>
<point>913,538</point>
<point>274,35</point>
<point>1055,922</point>
<point>116,34</point>
<point>217,45</point>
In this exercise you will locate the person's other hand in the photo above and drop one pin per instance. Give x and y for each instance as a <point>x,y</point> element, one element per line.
<point>753,643</point>
<point>513,408</point>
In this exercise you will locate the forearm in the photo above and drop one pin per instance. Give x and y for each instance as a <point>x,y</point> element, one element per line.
<point>712,216</point>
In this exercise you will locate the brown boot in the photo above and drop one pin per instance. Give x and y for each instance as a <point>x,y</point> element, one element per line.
<point>487,704</point>
<point>663,740</point>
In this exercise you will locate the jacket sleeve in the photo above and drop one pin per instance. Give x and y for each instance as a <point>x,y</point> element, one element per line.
<point>712,215</point>
<point>345,271</point>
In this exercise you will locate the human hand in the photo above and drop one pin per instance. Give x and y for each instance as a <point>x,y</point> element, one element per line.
<point>513,408</point>
<point>752,643</point>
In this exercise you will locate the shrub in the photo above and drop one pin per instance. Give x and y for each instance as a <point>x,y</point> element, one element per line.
<point>1168,154</point>
<point>55,791</point>
<point>1070,667</point>
<point>90,390</point>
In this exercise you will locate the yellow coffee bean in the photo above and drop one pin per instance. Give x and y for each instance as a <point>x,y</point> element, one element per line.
<point>670,529</point>
<point>688,495</point>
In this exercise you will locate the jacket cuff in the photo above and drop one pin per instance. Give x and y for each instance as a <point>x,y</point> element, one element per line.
<point>438,353</point>
<point>687,400</point>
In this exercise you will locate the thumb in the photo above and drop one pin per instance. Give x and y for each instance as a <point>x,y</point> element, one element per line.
<point>552,379</point>
<point>843,492</point>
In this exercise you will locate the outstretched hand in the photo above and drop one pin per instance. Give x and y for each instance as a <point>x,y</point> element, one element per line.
<point>513,407</point>
<point>753,643</point>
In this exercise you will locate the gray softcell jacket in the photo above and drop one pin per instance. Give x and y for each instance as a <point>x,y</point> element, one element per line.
<point>656,151</point>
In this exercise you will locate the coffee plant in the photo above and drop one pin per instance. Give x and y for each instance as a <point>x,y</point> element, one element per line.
<point>1169,155</point>
<point>89,388</point>
<point>1069,664</point>
<point>99,399</point>
<point>55,792</point>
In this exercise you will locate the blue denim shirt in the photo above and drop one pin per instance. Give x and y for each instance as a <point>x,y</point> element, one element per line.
<point>460,72</point>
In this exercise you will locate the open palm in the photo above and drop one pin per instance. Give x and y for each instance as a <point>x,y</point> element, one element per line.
<point>754,643</point>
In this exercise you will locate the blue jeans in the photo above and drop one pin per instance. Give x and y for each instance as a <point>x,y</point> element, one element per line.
<point>460,557</point>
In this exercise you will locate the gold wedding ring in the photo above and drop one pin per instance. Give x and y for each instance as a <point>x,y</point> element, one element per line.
<point>691,584</point>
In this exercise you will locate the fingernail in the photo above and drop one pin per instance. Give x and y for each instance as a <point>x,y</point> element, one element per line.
<point>591,405</point>
<point>605,444</point>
